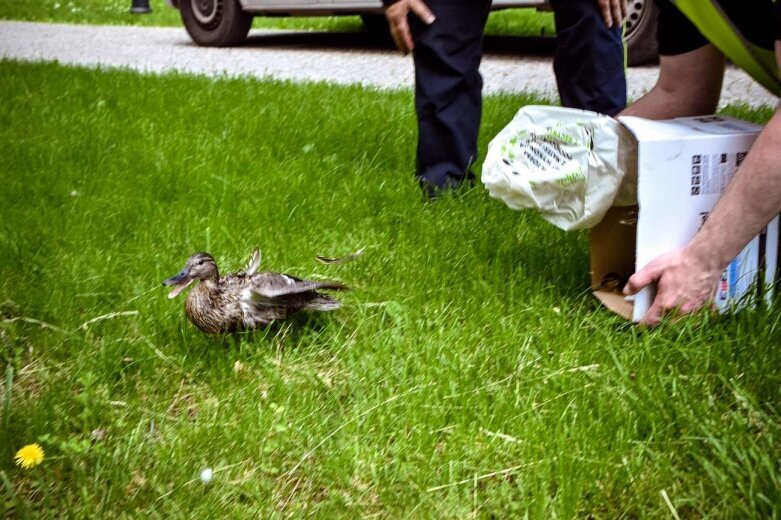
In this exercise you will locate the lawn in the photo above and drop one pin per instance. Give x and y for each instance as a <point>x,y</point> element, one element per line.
<point>525,22</point>
<point>469,372</point>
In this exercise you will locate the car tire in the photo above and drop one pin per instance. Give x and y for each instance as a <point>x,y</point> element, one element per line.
<point>640,33</point>
<point>377,26</point>
<point>215,23</point>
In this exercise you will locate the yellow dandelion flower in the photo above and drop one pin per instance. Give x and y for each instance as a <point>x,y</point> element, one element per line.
<point>29,456</point>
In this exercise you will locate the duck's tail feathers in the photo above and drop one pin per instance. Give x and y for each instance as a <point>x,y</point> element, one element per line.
<point>332,286</point>
<point>323,302</point>
<point>253,263</point>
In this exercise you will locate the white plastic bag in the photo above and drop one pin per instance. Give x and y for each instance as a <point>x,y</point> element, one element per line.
<point>563,162</point>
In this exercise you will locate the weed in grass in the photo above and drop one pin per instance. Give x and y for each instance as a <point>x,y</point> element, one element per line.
<point>470,372</point>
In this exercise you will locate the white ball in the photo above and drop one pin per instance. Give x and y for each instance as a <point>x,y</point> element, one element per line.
<point>206,475</point>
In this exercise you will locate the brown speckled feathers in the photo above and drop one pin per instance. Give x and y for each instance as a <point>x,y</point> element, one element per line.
<point>246,299</point>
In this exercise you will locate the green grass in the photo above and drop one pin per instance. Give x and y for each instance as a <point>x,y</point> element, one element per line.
<point>470,371</point>
<point>117,12</point>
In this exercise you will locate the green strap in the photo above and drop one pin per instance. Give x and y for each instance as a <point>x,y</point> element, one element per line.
<point>759,62</point>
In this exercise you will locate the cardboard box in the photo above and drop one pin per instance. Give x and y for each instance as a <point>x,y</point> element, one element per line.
<point>683,167</point>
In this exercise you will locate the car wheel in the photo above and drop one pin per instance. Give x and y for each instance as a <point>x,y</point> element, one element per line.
<point>640,32</point>
<point>215,23</point>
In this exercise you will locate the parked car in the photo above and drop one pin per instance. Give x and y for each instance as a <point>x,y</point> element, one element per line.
<point>227,22</point>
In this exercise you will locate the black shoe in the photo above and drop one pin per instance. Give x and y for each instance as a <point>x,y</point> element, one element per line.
<point>451,185</point>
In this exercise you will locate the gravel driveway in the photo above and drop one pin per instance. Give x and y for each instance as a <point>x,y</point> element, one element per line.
<point>301,56</point>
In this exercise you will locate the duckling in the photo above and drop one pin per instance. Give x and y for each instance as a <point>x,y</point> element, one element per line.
<point>246,299</point>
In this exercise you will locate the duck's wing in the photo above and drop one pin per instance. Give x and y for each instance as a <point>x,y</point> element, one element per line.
<point>274,285</point>
<point>253,263</point>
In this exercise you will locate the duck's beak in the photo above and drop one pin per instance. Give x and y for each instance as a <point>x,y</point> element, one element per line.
<point>181,281</point>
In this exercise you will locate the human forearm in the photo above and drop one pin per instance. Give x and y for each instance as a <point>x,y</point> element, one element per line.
<point>689,85</point>
<point>752,199</point>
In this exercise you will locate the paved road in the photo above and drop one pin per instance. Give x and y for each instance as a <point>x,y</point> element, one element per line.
<point>510,65</point>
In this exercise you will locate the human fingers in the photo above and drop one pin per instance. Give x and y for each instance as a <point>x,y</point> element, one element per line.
<point>624,10</point>
<point>422,11</point>
<point>665,304</point>
<point>697,301</point>
<point>403,37</point>
<point>654,314</point>
<point>399,27</point>
<point>605,11</point>
<point>665,301</point>
<point>642,278</point>
<point>619,11</point>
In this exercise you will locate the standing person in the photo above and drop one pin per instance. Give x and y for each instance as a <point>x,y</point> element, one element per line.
<point>691,68</point>
<point>446,39</point>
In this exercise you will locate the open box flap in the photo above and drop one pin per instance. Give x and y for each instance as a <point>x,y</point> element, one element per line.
<point>613,257</point>
<point>670,129</point>
<point>719,125</point>
<point>615,302</point>
<point>652,130</point>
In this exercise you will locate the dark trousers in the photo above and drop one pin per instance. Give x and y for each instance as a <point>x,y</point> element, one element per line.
<point>589,67</point>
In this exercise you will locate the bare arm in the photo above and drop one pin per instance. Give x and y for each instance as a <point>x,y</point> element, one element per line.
<point>689,84</point>
<point>687,277</point>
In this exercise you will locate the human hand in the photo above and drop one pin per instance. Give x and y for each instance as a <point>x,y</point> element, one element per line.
<point>613,12</point>
<point>397,13</point>
<point>683,284</point>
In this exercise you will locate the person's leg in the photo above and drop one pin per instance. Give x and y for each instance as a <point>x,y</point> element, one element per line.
<point>448,89</point>
<point>589,61</point>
